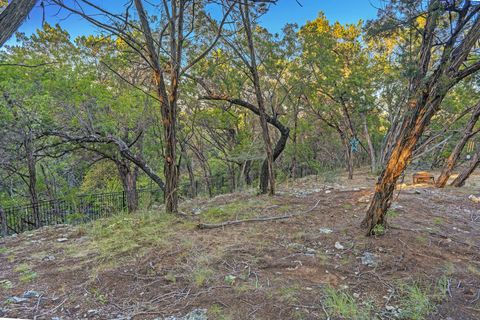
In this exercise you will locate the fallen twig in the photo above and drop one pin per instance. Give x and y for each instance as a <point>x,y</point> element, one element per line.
<point>259,219</point>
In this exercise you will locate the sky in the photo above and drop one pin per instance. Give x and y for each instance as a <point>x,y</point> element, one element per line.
<point>285,11</point>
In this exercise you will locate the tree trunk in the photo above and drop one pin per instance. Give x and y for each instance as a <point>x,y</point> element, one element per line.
<point>233,178</point>
<point>418,118</point>
<point>191,178</point>
<point>462,177</point>
<point>294,141</point>
<point>12,17</point>
<point>429,87</point>
<point>3,221</point>
<point>270,173</point>
<point>348,155</point>
<point>168,100</point>
<point>246,172</point>
<point>279,147</point>
<point>32,179</point>
<point>371,149</point>
<point>455,155</point>
<point>128,176</point>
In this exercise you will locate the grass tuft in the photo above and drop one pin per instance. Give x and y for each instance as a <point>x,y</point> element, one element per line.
<point>342,304</point>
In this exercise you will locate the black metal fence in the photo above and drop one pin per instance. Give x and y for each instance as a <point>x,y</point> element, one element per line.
<point>80,209</point>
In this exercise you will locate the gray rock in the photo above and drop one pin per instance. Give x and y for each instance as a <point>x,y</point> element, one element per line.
<point>16,299</point>
<point>325,230</point>
<point>31,294</point>
<point>368,259</point>
<point>48,258</point>
<point>62,239</point>
<point>339,246</point>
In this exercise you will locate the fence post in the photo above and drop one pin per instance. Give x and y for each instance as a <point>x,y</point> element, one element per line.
<point>4,227</point>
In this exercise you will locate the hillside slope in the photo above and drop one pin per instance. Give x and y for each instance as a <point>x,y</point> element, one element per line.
<point>317,264</point>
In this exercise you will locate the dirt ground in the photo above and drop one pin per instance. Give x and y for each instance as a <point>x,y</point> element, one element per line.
<point>317,265</point>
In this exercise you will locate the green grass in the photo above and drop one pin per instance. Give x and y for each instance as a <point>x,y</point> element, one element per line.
<point>202,275</point>
<point>379,230</point>
<point>241,209</point>
<point>392,213</point>
<point>25,273</point>
<point>289,295</point>
<point>6,284</point>
<point>342,304</point>
<point>418,302</point>
<point>216,312</point>
<point>127,234</point>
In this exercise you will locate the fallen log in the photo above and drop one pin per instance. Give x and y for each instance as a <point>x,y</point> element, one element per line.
<point>259,219</point>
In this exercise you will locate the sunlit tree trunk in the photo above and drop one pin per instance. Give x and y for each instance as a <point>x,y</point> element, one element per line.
<point>428,89</point>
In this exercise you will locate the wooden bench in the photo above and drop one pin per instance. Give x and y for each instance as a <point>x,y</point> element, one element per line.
<point>423,177</point>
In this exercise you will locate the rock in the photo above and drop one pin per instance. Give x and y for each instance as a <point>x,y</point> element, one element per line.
<point>394,311</point>
<point>15,299</point>
<point>325,230</point>
<point>56,318</point>
<point>196,314</point>
<point>196,211</point>
<point>31,294</point>
<point>474,198</point>
<point>356,295</point>
<point>48,258</point>
<point>92,312</point>
<point>368,259</point>
<point>328,191</point>
<point>396,206</point>
<point>339,246</point>
<point>62,239</point>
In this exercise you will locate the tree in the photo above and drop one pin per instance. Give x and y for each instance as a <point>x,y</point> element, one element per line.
<point>178,48</point>
<point>448,33</point>
<point>339,81</point>
<point>468,133</point>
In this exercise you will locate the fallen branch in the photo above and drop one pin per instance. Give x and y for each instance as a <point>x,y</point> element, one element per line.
<point>433,233</point>
<point>259,219</point>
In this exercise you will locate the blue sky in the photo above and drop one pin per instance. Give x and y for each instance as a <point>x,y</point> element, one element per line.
<point>286,11</point>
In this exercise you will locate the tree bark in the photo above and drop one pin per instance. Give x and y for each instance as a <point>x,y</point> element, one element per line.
<point>128,176</point>
<point>462,177</point>
<point>32,178</point>
<point>12,17</point>
<point>455,155</point>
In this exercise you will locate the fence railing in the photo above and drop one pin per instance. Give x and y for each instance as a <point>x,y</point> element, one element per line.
<point>80,209</point>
